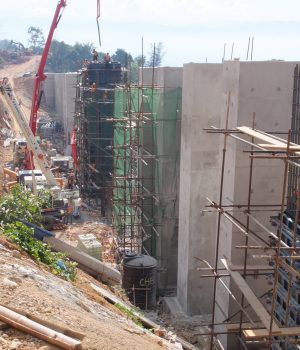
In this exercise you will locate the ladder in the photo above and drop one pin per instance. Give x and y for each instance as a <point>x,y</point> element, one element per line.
<point>11,102</point>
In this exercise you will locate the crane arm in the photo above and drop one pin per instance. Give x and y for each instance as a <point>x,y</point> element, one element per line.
<point>97,20</point>
<point>40,76</point>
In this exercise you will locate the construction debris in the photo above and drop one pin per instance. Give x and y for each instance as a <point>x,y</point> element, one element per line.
<point>28,326</point>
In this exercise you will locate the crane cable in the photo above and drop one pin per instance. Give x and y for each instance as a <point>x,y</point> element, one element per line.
<point>97,20</point>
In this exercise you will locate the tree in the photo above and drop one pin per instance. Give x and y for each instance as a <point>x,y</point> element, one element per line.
<point>138,62</point>
<point>59,57</point>
<point>36,40</point>
<point>156,55</point>
<point>123,57</point>
<point>5,44</point>
<point>67,58</point>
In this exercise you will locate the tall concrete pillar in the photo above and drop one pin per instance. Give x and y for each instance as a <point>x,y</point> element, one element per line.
<point>199,177</point>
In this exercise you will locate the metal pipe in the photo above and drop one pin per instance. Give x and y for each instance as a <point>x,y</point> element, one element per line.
<point>219,221</point>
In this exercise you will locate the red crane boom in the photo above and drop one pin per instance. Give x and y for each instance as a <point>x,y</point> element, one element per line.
<point>40,76</point>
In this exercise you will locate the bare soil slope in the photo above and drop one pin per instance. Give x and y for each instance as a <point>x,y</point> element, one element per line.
<point>22,85</point>
<point>31,288</point>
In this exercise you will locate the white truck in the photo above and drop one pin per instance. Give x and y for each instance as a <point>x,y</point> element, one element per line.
<point>64,163</point>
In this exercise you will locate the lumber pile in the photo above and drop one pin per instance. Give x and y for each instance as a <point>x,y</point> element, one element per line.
<point>33,326</point>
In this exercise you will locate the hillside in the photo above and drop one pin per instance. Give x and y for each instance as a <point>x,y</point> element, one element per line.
<point>31,288</point>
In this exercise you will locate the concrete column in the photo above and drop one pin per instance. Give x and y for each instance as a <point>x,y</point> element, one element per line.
<point>199,176</point>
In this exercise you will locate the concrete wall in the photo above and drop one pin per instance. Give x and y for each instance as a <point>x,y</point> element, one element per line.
<point>49,92</point>
<point>261,88</point>
<point>199,167</point>
<point>60,94</point>
<point>265,89</point>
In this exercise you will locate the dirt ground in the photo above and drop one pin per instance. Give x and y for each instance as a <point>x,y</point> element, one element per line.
<point>30,287</point>
<point>22,85</point>
<point>102,232</point>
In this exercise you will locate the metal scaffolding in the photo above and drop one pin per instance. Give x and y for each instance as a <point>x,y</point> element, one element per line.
<point>119,154</point>
<point>94,105</point>
<point>270,320</point>
<point>140,154</point>
<point>133,182</point>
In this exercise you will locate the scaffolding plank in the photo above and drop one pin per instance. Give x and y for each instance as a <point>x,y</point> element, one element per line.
<point>280,148</point>
<point>251,334</point>
<point>252,299</point>
<point>261,136</point>
<point>292,148</point>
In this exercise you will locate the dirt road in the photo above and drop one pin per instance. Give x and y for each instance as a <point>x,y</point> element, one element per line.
<point>23,89</point>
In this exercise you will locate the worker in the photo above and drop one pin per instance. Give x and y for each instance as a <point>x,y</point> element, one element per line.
<point>69,213</point>
<point>93,87</point>
<point>105,95</point>
<point>107,58</point>
<point>70,183</point>
<point>95,55</point>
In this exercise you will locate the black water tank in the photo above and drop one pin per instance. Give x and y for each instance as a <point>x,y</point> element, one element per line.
<point>139,280</point>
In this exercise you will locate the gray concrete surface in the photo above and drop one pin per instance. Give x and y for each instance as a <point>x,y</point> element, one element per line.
<point>60,93</point>
<point>261,88</point>
<point>199,168</point>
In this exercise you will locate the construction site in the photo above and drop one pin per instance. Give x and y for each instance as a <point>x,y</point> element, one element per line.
<point>176,197</point>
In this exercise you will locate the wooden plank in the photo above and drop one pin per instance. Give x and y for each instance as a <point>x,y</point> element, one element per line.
<point>293,148</point>
<point>252,299</point>
<point>262,333</point>
<point>279,148</point>
<point>273,144</point>
<point>258,135</point>
<point>35,329</point>
<point>55,326</point>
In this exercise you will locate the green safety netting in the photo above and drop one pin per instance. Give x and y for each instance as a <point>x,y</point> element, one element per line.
<point>146,160</point>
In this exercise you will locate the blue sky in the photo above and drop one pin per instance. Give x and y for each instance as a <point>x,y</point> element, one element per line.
<point>191,30</point>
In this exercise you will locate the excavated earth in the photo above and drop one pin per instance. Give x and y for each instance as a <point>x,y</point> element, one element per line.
<point>30,287</point>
